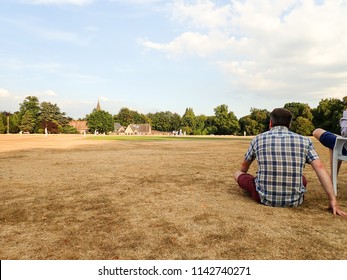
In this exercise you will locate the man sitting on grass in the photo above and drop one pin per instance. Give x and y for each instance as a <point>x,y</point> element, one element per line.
<point>281,156</point>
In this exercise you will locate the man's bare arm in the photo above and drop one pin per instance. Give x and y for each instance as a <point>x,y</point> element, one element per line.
<point>325,180</point>
<point>245,166</point>
<point>243,169</point>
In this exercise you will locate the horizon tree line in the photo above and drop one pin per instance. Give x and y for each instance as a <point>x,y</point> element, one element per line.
<point>35,117</point>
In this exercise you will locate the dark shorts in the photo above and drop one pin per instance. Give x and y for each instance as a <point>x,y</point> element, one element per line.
<point>247,182</point>
<point>328,139</point>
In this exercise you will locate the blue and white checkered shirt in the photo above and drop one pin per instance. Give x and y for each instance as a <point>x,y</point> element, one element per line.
<point>281,156</point>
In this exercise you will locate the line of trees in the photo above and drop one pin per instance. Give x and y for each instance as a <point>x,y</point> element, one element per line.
<point>34,117</point>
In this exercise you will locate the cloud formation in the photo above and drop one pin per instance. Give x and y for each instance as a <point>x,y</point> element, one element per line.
<point>270,47</point>
<point>202,14</point>
<point>193,43</point>
<point>4,93</point>
<point>50,93</point>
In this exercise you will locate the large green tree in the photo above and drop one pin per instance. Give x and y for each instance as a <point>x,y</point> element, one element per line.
<point>302,126</point>
<point>165,121</point>
<point>210,125</point>
<point>299,110</point>
<point>225,121</point>
<point>328,113</point>
<point>126,116</point>
<point>14,122</point>
<point>188,121</point>
<point>262,117</point>
<point>52,118</point>
<point>256,122</point>
<point>200,125</point>
<point>2,125</point>
<point>28,122</point>
<point>101,121</point>
<point>249,125</point>
<point>30,104</point>
<point>302,117</point>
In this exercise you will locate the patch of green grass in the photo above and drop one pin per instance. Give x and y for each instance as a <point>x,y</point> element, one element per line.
<point>164,138</point>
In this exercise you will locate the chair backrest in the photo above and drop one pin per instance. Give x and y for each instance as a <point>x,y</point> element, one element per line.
<point>340,143</point>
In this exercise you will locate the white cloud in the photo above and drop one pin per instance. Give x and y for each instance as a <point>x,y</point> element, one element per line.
<point>274,47</point>
<point>50,93</point>
<point>287,51</point>
<point>193,43</point>
<point>104,98</point>
<point>248,76</point>
<point>9,100</point>
<point>4,93</point>
<point>203,13</point>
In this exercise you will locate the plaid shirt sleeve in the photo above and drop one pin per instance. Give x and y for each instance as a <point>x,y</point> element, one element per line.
<point>311,153</point>
<point>251,155</point>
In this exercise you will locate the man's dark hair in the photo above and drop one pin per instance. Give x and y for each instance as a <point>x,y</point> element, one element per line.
<point>280,116</point>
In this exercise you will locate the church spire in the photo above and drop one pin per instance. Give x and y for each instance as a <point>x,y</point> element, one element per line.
<point>98,108</point>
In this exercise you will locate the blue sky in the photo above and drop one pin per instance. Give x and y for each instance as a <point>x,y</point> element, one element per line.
<point>152,55</point>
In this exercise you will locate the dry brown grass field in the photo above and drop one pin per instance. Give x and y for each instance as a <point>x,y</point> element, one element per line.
<point>72,197</point>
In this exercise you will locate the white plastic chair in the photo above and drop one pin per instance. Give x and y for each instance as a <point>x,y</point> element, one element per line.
<point>337,156</point>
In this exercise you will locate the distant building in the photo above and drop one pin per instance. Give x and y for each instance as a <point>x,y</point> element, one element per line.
<point>119,129</point>
<point>138,129</point>
<point>81,126</point>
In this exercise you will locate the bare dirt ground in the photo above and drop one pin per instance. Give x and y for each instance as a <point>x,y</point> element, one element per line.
<point>69,197</point>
